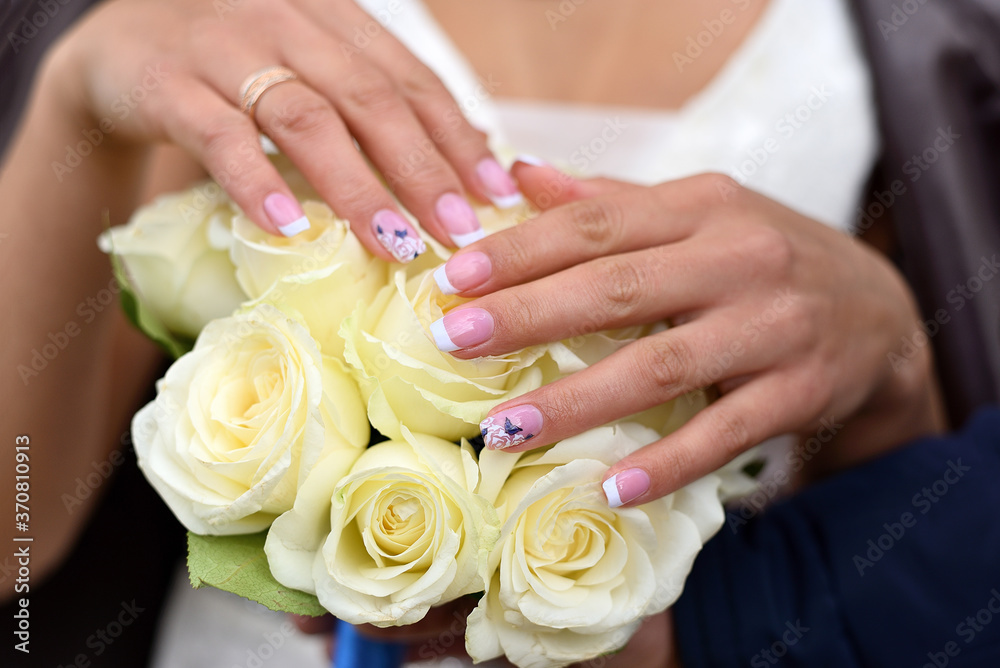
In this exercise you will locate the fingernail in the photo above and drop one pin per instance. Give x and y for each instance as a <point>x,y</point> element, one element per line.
<point>398,237</point>
<point>531,160</point>
<point>463,272</point>
<point>286,214</point>
<point>625,486</point>
<point>463,328</point>
<point>498,183</point>
<point>511,427</point>
<point>458,219</point>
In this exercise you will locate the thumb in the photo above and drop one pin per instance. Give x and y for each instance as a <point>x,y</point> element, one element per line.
<point>547,187</point>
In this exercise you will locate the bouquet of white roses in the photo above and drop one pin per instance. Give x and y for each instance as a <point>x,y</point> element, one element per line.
<point>290,349</point>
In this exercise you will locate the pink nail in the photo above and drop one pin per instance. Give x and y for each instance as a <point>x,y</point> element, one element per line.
<point>458,219</point>
<point>511,427</point>
<point>286,214</point>
<point>397,235</point>
<point>498,183</point>
<point>625,486</point>
<point>463,272</point>
<point>462,328</point>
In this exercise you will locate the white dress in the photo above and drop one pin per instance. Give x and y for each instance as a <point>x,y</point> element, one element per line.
<point>790,115</point>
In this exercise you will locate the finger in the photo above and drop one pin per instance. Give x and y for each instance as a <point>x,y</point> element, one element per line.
<point>461,144</point>
<point>608,293</point>
<point>443,619</point>
<point>569,235</point>
<point>312,135</point>
<point>768,406</point>
<point>388,130</point>
<point>227,144</point>
<point>305,126</point>
<point>645,373</point>
<point>547,187</point>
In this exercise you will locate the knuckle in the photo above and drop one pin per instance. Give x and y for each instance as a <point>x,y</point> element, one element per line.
<point>620,286</point>
<point>370,90</point>
<point>220,132</point>
<point>734,434</point>
<point>420,81</point>
<point>597,222</point>
<point>352,195</point>
<point>667,361</point>
<point>770,248</point>
<point>302,115</point>
<point>712,186</point>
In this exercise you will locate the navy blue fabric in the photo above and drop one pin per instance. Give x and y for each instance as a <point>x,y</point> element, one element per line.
<point>894,563</point>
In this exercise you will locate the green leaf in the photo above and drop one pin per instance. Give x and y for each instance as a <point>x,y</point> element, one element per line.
<point>238,564</point>
<point>139,315</point>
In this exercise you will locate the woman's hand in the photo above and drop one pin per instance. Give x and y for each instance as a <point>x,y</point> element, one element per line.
<point>791,320</point>
<point>142,71</point>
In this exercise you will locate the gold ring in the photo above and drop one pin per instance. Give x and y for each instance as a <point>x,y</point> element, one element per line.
<point>258,82</point>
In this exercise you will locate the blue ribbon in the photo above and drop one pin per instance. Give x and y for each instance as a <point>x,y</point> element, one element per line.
<point>356,651</point>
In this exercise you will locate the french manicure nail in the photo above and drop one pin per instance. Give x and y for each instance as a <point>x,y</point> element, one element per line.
<point>531,160</point>
<point>462,328</point>
<point>511,427</point>
<point>286,214</point>
<point>398,237</point>
<point>498,183</point>
<point>458,219</point>
<point>625,486</point>
<point>462,272</point>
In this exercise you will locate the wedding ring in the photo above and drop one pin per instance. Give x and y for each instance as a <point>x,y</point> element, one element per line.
<point>258,82</point>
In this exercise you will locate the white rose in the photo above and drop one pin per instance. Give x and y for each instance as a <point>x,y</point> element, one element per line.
<point>404,531</point>
<point>242,418</point>
<point>406,380</point>
<point>320,274</point>
<point>572,578</point>
<point>174,251</point>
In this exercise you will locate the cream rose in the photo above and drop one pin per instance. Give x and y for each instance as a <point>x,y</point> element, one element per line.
<point>242,418</point>
<point>321,274</point>
<point>175,253</point>
<point>404,531</point>
<point>572,578</point>
<point>406,380</point>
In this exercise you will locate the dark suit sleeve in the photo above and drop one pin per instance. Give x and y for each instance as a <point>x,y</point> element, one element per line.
<point>895,563</point>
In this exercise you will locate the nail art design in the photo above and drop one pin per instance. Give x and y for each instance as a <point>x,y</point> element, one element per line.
<point>498,436</point>
<point>404,246</point>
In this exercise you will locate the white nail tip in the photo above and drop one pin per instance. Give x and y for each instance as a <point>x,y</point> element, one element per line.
<point>294,227</point>
<point>444,285</point>
<point>441,338</point>
<point>531,160</point>
<point>463,240</point>
<point>507,201</point>
<point>611,491</point>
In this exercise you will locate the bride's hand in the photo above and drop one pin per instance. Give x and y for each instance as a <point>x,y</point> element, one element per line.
<point>790,319</point>
<point>142,71</point>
